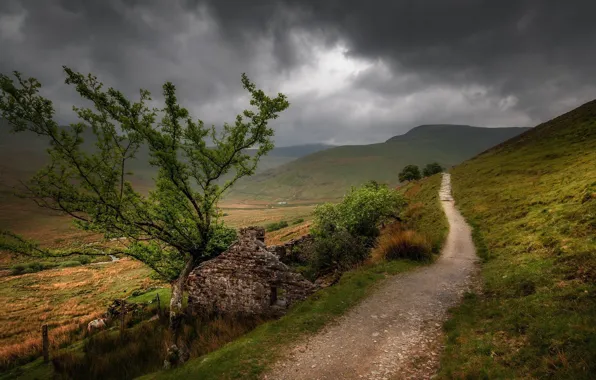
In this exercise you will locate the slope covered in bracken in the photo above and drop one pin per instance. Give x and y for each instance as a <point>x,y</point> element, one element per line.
<point>532,201</point>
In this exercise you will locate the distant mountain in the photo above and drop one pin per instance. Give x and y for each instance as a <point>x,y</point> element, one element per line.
<point>329,173</point>
<point>21,154</point>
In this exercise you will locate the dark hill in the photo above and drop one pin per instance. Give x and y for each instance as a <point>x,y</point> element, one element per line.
<point>329,173</point>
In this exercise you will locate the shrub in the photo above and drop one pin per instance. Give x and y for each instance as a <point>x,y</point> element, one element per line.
<point>339,251</point>
<point>32,267</point>
<point>276,226</point>
<point>360,212</point>
<point>70,263</point>
<point>106,356</point>
<point>432,168</point>
<point>409,173</point>
<point>298,221</point>
<point>404,244</point>
<point>18,269</point>
<point>345,232</point>
<point>84,260</point>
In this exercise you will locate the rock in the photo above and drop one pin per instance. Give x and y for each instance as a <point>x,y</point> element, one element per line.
<point>96,325</point>
<point>247,279</point>
<point>115,308</point>
<point>295,251</point>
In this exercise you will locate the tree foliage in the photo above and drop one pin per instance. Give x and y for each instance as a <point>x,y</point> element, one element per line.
<point>410,173</point>
<point>432,168</point>
<point>178,219</point>
<point>353,223</point>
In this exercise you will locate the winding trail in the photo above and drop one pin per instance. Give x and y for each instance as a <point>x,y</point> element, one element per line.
<point>396,332</point>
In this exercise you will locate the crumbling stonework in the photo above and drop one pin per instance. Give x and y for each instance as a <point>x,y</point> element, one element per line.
<point>247,279</point>
<point>296,250</point>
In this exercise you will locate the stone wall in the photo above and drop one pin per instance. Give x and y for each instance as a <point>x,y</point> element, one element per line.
<point>247,279</point>
<point>295,250</point>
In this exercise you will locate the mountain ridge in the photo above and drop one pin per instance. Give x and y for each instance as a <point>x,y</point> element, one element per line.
<point>329,173</point>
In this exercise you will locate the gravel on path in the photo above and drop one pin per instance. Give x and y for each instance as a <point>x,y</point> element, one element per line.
<point>396,333</point>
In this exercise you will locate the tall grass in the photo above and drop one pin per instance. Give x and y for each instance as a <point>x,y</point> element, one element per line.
<point>143,347</point>
<point>29,347</point>
<point>534,217</point>
<point>396,243</point>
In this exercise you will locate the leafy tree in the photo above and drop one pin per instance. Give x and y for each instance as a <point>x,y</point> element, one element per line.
<point>353,222</point>
<point>410,173</point>
<point>432,168</point>
<point>176,226</point>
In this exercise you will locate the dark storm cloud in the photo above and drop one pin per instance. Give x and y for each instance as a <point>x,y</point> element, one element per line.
<point>539,51</point>
<point>355,71</point>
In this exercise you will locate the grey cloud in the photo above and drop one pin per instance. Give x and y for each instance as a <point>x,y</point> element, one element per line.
<point>489,63</point>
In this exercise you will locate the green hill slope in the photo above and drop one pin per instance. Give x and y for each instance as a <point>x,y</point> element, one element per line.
<point>533,202</point>
<point>329,173</point>
<point>22,154</point>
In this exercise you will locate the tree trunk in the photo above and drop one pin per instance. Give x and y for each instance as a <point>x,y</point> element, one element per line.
<point>177,352</point>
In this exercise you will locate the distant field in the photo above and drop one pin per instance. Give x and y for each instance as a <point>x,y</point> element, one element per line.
<point>68,298</point>
<point>65,299</point>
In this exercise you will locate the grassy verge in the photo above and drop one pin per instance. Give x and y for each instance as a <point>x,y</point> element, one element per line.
<point>252,355</point>
<point>532,204</point>
<point>424,212</point>
<point>249,356</point>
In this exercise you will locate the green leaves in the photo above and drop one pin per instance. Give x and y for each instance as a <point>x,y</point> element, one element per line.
<point>410,173</point>
<point>360,212</point>
<point>177,221</point>
<point>432,168</point>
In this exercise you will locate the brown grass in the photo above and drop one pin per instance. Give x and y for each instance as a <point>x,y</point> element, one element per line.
<point>65,299</point>
<point>396,242</point>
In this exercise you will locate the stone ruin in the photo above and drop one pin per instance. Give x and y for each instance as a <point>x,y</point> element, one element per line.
<point>247,279</point>
<point>294,251</point>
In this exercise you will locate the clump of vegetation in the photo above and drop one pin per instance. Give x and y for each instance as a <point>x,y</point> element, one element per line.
<point>424,212</point>
<point>432,168</point>
<point>107,355</point>
<point>298,221</point>
<point>409,173</point>
<point>339,251</point>
<point>345,232</point>
<point>397,243</point>
<point>37,266</point>
<point>276,226</point>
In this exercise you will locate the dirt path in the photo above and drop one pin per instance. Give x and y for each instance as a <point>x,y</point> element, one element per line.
<point>396,332</point>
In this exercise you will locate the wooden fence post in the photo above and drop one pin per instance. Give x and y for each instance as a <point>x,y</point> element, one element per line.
<point>122,314</point>
<point>45,343</point>
<point>158,305</point>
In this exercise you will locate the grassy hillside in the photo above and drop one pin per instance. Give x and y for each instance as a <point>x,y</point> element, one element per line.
<point>21,154</point>
<point>532,201</point>
<point>329,173</point>
<point>424,212</point>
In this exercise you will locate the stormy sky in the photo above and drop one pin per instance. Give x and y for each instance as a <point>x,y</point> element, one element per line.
<point>354,71</point>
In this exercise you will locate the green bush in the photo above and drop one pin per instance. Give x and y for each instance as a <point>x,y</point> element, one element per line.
<point>70,263</point>
<point>84,260</point>
<point>345,232</point>
<point>298,221</point>
<point>276,226</point>
<point>18,269</point>
<point>360,212</point>
<point>339,251</point>
<point>32,267</point>
<point>410,173</point>
<point>432,168</point>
